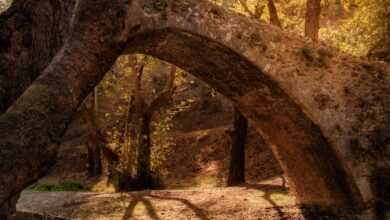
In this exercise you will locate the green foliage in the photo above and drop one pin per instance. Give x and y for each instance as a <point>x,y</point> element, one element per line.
<point>162,145</point>
<point>318,58</point>
<point>353,27</point>
<point>307,53</point>
<point>364,26</point>
<point>65,186</point>
<point>117,88</point>
<point>292,15</point>
<point>123,178</point>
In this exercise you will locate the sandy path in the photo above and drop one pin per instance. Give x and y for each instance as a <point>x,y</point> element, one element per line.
<point>246,202</point>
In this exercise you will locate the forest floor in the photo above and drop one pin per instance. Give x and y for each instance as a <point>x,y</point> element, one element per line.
<point>194,187</point>
<point>249,201</point>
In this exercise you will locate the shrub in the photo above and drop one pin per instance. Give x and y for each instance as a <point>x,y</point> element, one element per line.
<point>65,186</point>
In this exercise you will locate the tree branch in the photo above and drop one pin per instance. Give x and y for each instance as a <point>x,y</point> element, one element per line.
<point>164,95</point>
<point>246,8</point>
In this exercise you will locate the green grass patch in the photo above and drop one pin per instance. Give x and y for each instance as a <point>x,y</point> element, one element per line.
<point>65,186</point>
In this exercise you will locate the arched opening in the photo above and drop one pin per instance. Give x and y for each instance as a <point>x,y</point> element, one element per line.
<point>315,173</point>
<point>267,197</point>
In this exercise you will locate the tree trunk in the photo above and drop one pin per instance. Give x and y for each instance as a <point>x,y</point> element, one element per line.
<point>144,176</point>
<point>237,150</point>
<point>274,18</point>
<point>388,24</point>
<point>94,138</point>
<point>31,33</point>
<point>259,11</point>
<point>312,22</point>
<point>94,166</point>
<point>96,143</point>
<point>381,49</point>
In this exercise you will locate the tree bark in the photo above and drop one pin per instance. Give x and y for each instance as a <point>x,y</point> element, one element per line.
<point>31,33</point>
<point>94,140</point>
<point>312,21</point>
<point>381,49</point>
<point>274,18</point>
<point>94,159</point>
<point>144,174</point>
<point>236,174</point>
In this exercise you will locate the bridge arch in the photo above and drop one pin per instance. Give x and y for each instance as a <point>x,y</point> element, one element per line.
<point>314,171</point>
<point>309,108</point>
<point>251,63</point>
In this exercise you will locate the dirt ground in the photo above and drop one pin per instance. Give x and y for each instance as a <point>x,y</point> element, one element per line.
<point>251,201</point>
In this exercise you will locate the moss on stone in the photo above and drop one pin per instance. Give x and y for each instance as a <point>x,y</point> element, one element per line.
<point>38,98</point>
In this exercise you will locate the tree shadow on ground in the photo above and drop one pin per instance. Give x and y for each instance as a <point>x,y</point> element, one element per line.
<point>268,190</point>
<point>200,213</point>
<point>139,198</point>
<point>309,212</point>
<point>142,198</point>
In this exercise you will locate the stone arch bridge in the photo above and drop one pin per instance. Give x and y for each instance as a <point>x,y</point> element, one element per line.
<point>325,114</point>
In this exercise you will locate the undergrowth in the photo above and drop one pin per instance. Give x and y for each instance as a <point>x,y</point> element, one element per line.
<point>65,186</point>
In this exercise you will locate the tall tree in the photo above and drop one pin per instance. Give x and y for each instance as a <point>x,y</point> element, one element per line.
<point>312,21</point>
<point>237,149</point>
<point>274,18</point>
<point>140,114</point>
<point>381,49</point>
<point>95,139</point>
<point>144,138</point>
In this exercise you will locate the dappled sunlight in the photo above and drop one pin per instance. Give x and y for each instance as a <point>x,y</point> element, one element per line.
<point>192,203</point>
<point>203,181</point>
<point>103,186</point>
